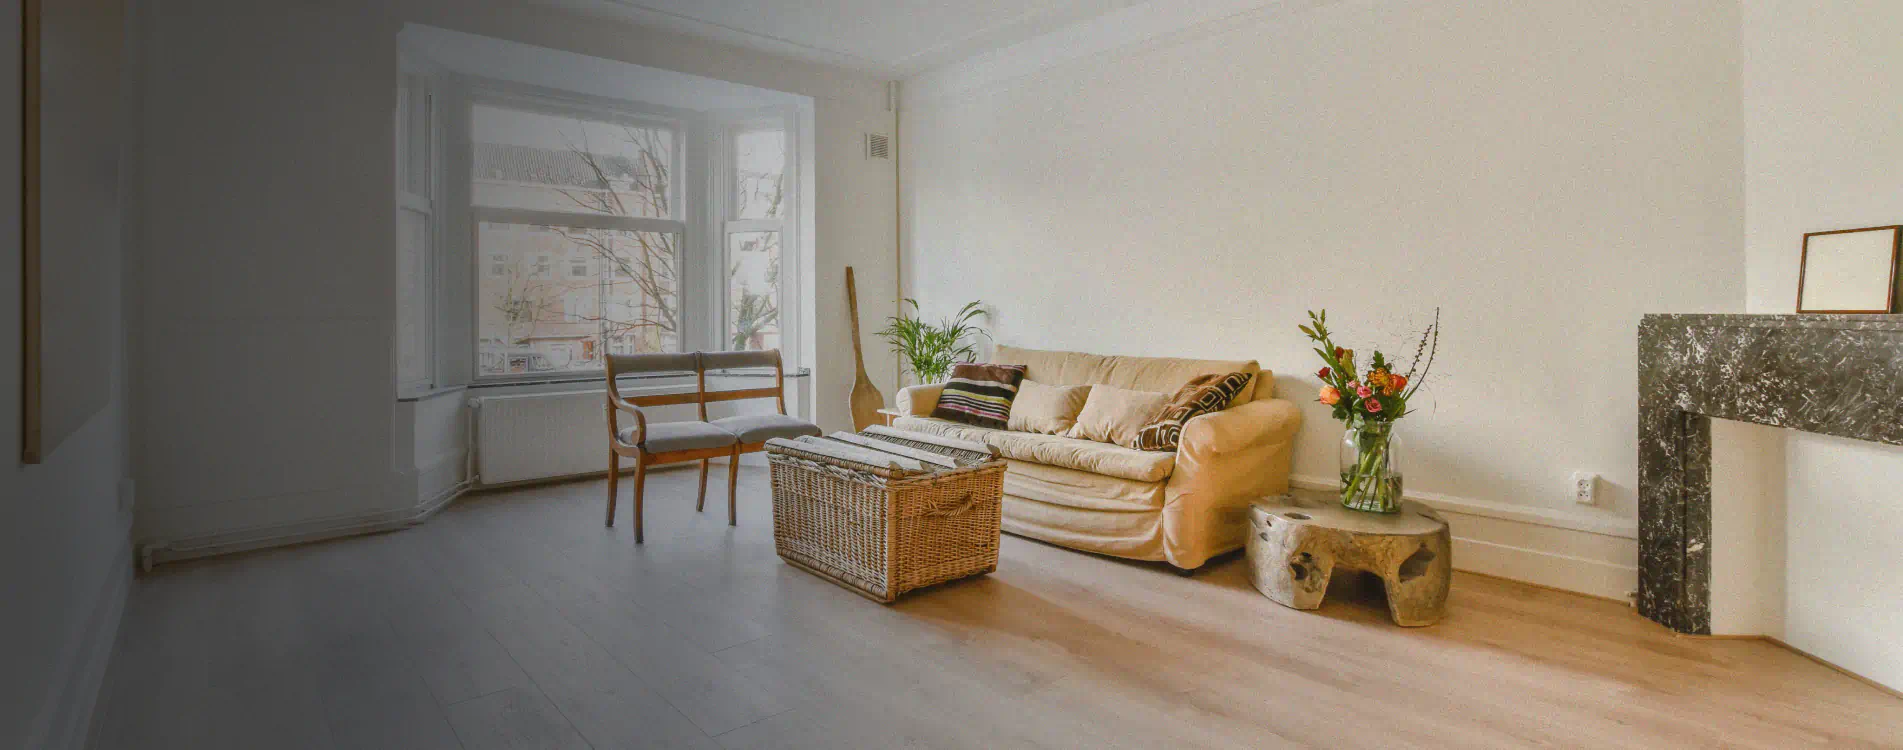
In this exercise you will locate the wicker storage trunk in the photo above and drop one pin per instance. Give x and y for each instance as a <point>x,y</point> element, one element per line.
<point>883,512</point>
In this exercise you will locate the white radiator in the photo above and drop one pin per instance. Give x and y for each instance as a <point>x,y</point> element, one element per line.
<point>549,435</point>
<point>540,436</point>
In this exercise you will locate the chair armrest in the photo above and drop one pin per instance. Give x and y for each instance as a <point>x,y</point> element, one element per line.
<point>919,400</point>
<point>1224,461</point>
<point>640,420</point>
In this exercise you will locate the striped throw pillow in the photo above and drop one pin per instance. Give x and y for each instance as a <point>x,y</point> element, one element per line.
<point>980,394</point>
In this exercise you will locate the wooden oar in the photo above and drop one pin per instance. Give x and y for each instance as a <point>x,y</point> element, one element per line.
<point>866,399</point>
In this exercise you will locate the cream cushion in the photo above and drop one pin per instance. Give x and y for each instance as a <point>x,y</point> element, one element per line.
<point>1073,488</point>
<point>759,428</point>
<point>1068,453</point>
<point>1046,409</point>
<point>1116,415</point>
<point>1160,374</point>
<point>663,437</point>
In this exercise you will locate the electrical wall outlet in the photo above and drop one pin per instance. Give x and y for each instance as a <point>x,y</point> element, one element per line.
<point>1585,488</point>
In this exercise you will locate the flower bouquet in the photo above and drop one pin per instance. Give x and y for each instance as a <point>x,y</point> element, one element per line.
<point>1368,405</point>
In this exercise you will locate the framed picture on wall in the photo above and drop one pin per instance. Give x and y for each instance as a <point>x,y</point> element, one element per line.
<point>1850,271</point>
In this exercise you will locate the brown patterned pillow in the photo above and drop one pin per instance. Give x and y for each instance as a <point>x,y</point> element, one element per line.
<point>1203,394</point>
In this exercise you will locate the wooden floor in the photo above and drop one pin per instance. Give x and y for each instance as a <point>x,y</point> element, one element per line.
<point>515,620</point>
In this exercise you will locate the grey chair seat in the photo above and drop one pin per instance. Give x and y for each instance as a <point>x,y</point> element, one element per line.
<point>758,428</point>
<point>680,436</point>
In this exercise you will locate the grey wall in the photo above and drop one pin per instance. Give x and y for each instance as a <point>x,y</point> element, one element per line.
<point>267,322</point>
<point>64,557</point>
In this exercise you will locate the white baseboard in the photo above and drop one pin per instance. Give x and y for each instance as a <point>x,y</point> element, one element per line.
<point>1567,551</point>
<point>155,551</point>
<point>66,719</point>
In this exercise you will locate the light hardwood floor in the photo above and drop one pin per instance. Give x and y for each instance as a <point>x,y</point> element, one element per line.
<point>515,620</point>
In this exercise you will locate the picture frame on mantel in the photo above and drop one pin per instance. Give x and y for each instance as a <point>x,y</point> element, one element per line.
<point>1850,271</point>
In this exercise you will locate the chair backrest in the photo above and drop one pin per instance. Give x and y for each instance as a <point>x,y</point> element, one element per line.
<point>651,362</point>
<point>697,363</point>
<point>735,360</point>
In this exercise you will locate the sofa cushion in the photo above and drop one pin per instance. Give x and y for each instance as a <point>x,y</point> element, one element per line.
<point>1117,415</point>
<point>1160,374</point>
<point>979,394</point>
<point>1062,452</point>
<point>1071,488</point>
<point>1046,409</point>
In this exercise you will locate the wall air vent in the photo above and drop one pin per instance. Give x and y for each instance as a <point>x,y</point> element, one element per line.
<point>878,146</point>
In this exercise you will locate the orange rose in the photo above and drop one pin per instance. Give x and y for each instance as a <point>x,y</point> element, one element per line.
<point>1396,384</point>
<point>1330,395</point>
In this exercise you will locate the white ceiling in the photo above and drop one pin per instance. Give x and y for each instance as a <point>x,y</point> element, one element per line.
<point>887,38</point>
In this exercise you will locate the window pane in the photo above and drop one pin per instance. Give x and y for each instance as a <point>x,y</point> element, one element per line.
<point>753,290</point>
<point>759,173</point>
<point>553,163</point>
<point>537,316</point>
<point>412,290</point>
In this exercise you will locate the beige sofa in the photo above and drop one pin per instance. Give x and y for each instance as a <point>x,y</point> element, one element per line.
<point>1182,507</point>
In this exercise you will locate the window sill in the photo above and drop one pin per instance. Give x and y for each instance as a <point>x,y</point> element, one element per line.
<point>634,380</point>
<point>425,393</point>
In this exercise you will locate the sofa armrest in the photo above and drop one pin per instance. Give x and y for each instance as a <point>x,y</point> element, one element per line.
<point>919,400</point>
<point>1224,461</point>
<point>1251,424</point>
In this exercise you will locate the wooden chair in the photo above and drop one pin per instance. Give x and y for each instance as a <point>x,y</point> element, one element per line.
<point>678,442</point>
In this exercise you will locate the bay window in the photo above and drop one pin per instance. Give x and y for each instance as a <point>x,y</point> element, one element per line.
<point>566,225</point>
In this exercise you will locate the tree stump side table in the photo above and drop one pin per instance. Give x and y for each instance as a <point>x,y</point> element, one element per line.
<point>1298,540</point>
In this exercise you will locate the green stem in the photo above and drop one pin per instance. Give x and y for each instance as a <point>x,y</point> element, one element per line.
<point>1365,466</point>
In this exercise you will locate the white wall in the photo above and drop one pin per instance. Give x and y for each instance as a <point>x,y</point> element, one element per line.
<point>269,169</point>
<point>1824,136</point>
<point>1546,173</point>
<point>65,563</point>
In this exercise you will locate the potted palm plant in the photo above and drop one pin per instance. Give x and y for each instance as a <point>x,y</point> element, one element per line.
<point>928,350</point>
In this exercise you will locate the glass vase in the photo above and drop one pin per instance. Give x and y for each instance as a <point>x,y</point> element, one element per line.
<point>1370,469</point>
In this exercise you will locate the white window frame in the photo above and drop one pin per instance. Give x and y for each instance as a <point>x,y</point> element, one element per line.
<point>424,104</point>
<point>483,92</point>
<point>722,197</point>
<point>702,164</point>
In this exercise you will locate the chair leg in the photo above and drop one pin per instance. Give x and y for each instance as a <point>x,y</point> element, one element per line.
<point>640,484</point>
<point>733,487</point>
<point>700,503</point>
<point>614,481</point>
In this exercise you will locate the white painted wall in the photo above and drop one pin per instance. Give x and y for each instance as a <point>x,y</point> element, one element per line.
<point>267,326</point>
<point>1823,141</point>
<point>65,563</point>
<point>1546,173</point>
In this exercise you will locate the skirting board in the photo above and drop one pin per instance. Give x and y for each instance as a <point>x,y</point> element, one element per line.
<point>1547,553</point>
<point>300,532</point>
<point>1833,666</point>
<point>153,552</point>
<point>67,717</point>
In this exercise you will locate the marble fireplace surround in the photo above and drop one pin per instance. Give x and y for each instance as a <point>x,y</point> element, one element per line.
<point>1838,375</point>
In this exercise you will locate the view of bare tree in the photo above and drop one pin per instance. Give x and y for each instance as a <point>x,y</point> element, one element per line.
<point>649,260</point>
<point>557,293</point>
